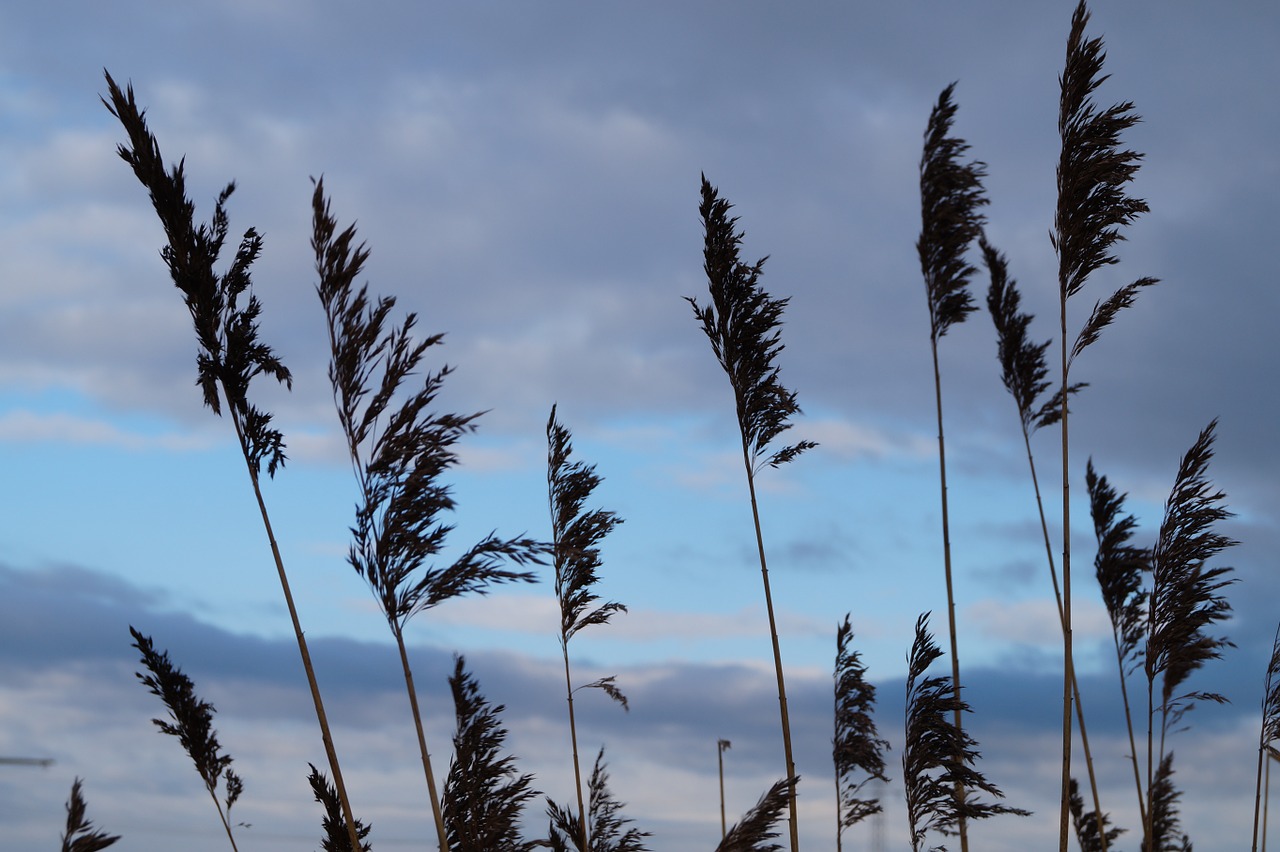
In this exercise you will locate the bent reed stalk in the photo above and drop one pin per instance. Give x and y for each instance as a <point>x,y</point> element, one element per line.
<point>231,355</point>
<point>950,195</point>
<point>742,324</point>
<point>398,455</point>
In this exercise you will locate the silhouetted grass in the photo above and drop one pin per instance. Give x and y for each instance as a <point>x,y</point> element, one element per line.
<point>191,721</point>
<point>81,836</point>
<point>742,322</point>
<point>399,449</point>
<point>1270,724</point>
<point>857,746</point>
<point>575,538</point>
<point>231,355</point>
<point>1094,831</point>
<point>484,795</point>
<point>937,755</point>
<point>609,830</point>
<point>755,830</point>
<point>950,197</point>
<point>336,836</point>
<point>1185,601</point>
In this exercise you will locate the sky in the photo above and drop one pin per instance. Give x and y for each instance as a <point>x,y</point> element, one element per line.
<point>527,176</point>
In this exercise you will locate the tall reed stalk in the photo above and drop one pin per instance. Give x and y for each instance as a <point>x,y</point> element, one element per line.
<point>1024,369</point>
<point>575,538</point>
<point>857,746</point>
<point>227,333</point>
<point>1186,600</point>
<point>191,721</point>
<point>1120,567</point>
<point>399,449</point>
<point>742,322</point>
<point>1092,206</point>
<point>721,747</point>
<point>1270,726</point>
<point>937,755</point>
<point>950,198</point>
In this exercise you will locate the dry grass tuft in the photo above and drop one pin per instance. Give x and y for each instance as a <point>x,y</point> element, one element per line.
<point>80,835</point>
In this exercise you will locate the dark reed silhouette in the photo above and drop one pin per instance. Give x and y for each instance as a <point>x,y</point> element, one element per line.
<point>1165,834</point>
<point>231,355</point>
<point>1270,725</point>
<point>610,831</point>
<point>1120,568</point>
<point>575,538</point>
<point>937,755</point>
<point>742,322</point>
<point>191,721</point>
<point>81,835</point>
<point>399,449</point>
<point>484,794</point>
<point>950,198</point>
<point>1094,831</point>
<point>1185,601</point>
<point>755,831</point>
<point>336,837</point>
<point>857,748</point>
<point>1092,206</point>
<point>1024,371</point>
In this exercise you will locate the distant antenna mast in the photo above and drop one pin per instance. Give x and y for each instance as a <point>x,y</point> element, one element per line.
<point>27,761</point>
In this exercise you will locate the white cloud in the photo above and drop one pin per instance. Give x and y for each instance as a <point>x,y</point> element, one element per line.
<point>28,427</point>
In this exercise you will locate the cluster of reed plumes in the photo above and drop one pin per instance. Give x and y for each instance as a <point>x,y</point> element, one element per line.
<point>1163,601</point>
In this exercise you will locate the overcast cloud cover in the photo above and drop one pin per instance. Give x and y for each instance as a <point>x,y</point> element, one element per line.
<point>527,178</point>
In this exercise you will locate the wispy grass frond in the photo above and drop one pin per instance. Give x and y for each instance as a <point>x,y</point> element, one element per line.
<point>742,322</point>
<point>1119,567</point>
<point>231,354</point>
<point>1186,597</point>
<point>755,831</point>
<point>1166,820</point>
<point>336,837</point>
<point>80,835</point>
<point>1023,366</point>
<point>950,197</point>
<point>1270,725</point>
<point>1092,168</point>
<point>609,687</point>
<point>399,446</point>
<point>1104,313</point>
<point>857,746</point>
<point>1086,825</point>
<point>610,831</point>
<point>191,721</point>
<point>484,795</point>
<point>937,755</point>
<point>576,534</point>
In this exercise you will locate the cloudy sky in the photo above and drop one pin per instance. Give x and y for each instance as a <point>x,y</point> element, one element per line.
<point>527,176</point>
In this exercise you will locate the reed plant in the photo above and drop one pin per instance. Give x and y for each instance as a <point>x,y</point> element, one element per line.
<point>336,836</point>
<point>742,322</point>
<point>857,748</point>
<point>1092,174</point>
<point>1094,831</point>
<point>1120,568</point>
<point>575,537</point>
<point>191,721</point>
<point>755,831</point>
<point>950,200</point>
<point>1270,726</point>
<point>399,449</point>
<point>231,354</point>
<point>1186,600</point>
<point>938,757</point>
<point>484,794</point>
<point>1024,370</point>
<point>80,834</point>
<point>610,831</point>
